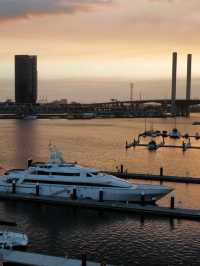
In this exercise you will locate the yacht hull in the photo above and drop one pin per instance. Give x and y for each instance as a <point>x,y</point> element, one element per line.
<point>136,193</point>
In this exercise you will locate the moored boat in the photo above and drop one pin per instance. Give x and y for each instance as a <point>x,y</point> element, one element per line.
<point>57,178</point>
<point>174,134</point>
<point>13,240</point>
<point>152,145</point>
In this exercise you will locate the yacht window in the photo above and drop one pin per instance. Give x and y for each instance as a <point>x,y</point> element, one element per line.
<point>54,173</point>
<point>10,180</point>
<point>89,175</point>
<point>65,174</point>
<point>66,165</point>
<point>59,182</point>
<point>39,173</point>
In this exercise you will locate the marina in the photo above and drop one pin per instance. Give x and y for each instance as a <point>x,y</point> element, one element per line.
<point>99,133</point>
<point>173,134</point>
<point>101,232</point>
<point>184,146</point>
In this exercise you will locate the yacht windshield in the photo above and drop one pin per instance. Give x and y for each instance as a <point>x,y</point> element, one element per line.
<point>95,173</point>
<point>91,174</point>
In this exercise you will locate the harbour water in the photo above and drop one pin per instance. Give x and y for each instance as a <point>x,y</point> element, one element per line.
<point>118,239</point>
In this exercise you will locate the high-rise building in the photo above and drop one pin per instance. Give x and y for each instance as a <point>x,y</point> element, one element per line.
<point>25,79</point>
<point>174,72</point>
<point>189,73</point>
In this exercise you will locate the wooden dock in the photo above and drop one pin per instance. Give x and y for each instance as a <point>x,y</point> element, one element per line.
<point>162,145</point>
<point>10,257</point>
<point>153,177</point>
<point>108,206</point>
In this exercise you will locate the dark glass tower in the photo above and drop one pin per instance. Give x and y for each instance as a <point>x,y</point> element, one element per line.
<point>25,79</point>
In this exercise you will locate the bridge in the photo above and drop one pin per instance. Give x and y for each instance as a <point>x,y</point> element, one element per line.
<point>117,108</point>
<point>134,107</point>
<point>114,108</point>
<point>178,102</point>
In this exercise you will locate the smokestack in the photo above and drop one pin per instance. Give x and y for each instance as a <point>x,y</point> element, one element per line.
<point>173,93</point>
<point>189,71</point>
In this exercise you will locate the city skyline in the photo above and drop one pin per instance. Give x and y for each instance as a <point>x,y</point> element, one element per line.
<point>126,39</point>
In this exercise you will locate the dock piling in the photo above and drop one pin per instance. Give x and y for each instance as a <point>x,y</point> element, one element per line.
<point>126,145</point>
<point>161,171</point>
<point>142,199</point>
<point>37,189</point>
<point>172,203</point>
<point>83,260</point>
<point>121,168</point>
<point>74,194</point>
<point>13,187</point>
<point>101,196</point>
<point>29,162</point>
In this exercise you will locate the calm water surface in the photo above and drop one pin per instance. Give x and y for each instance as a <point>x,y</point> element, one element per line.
<point>117,238</point>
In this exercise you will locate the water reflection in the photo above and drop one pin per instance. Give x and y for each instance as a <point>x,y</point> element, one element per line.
<point>24,140</point>
<point>120,239</point>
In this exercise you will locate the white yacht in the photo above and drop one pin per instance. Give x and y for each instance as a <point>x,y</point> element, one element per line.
<point>13,240</point>
<point>58,178</point>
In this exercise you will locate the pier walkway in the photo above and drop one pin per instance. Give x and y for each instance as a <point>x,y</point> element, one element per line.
<point>153,177</point>
<point>184,147</point>
<point>10,257</point>
<point>171,212</point>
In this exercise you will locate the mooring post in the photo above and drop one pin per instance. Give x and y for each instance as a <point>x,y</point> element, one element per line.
<point>83,260</point>
<point>126,144</point>
<point>74,194</point>
<point>37,189</point>
<point>172,202</point>
<point>142,198</point>
<point>13,187</point>
<point>29,162</point>
<point>101,196</point>
<point>161,171</point>
<point>121,168</point>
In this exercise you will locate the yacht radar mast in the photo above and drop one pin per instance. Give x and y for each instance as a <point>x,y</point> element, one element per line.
<point>55,156</point>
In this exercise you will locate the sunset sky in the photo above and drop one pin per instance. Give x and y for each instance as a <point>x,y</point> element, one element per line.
<point>124,39</point>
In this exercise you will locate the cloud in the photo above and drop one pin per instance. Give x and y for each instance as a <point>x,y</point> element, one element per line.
<point>11,9</point>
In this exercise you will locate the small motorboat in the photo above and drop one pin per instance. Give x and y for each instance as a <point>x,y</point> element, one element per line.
<point>13,240</point>
<point>152,146</point>
<point>164,134</point>
<point>174,134</point>
<point>151,133</point>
